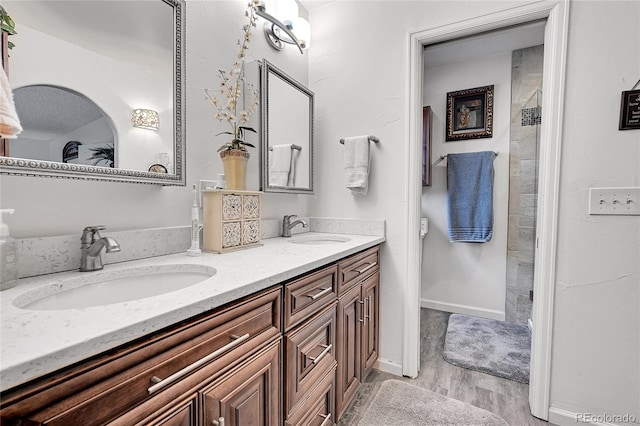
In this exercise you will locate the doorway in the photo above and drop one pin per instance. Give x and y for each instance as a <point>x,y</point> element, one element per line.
<point>556,15</point>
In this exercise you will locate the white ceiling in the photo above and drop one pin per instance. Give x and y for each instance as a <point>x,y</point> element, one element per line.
<point>485,45</point>
<point>124,30</point>
<point>52,112</point>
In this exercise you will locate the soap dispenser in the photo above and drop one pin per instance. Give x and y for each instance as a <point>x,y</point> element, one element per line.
<point>8,255</point>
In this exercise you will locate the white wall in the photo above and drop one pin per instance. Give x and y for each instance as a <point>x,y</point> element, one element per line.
<point>361,79</point>
<point>46,207</point>
<point>359,68</point>
<point>596,336</point>
<point>94,75</point>
<point>467,278</point>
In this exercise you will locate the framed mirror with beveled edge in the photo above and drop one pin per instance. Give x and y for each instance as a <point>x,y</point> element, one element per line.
<point>98,89</point>
<point>287,132</point>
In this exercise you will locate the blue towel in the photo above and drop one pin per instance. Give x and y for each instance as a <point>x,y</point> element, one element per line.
<point>470,195</point>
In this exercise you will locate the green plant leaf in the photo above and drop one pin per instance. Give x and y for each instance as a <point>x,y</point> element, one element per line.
<point>251,129</point>
<point>224,133</point>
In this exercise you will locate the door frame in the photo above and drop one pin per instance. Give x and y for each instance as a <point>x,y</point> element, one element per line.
<point>556,14</point>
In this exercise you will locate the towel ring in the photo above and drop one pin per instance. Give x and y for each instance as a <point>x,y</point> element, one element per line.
<point>373,139</point>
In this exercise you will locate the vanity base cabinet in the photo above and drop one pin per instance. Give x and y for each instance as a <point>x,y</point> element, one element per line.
<point>132,383</point>
<point>256,361</point>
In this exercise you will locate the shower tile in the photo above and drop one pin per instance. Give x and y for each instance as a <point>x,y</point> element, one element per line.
<point>528,177</point>
<point>525,274</point>
<point>514,232</point>
<point>523,310</point>
<point>512,268</point>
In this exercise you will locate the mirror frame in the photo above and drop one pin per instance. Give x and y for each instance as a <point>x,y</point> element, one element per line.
<point>28,167</point>
<point>265,68</point>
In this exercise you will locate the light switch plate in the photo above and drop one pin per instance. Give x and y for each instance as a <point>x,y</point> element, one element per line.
<point>616,201</point>
<point>424,227</point>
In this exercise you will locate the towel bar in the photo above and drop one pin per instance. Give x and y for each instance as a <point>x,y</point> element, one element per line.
<point>293,146</point>
<point>371,138</point>
<point>442,157</point>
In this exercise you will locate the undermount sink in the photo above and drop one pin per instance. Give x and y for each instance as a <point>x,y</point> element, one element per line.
<point>108,287</point>
<point>319,239</point>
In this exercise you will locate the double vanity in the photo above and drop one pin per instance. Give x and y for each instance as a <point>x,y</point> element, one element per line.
<point>278,334</point>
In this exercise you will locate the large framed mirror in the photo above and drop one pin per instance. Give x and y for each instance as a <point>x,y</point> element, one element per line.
<point>98,89</point>
<point>287,132</point>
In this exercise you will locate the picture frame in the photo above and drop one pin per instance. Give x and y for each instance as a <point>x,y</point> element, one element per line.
<point>470,113</point>
<point>426,146</point>
<point>630,110</point>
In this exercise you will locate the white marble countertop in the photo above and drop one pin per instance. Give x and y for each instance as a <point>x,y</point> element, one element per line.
<point>34,343</point>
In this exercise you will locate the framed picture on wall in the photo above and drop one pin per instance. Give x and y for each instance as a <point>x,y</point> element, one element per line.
<point>426,146</point>
<point>630,110</point>
<point>470,114</point>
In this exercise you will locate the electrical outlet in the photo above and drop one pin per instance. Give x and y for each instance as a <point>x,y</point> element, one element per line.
<point>616,201</point>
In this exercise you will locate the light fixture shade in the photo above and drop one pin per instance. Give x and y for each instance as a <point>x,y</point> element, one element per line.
<point>287,11</point>
<point>145,118</point>
<point>302,30</point>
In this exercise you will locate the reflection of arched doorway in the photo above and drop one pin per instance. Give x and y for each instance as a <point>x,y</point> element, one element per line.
<point>60,124</point>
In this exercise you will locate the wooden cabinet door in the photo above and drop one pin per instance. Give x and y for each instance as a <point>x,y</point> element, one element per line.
<point>371,323</point>
<point>248,394</point>
<point>183,415</point>
<point>348,348</point>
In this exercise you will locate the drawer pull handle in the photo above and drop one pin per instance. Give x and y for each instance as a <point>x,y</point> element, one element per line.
<point>322,293</point>
<point>366,268</point>
<point>326,350</point>
<point>161,383</point>
<point>219,422</point>
<point>326,417</point>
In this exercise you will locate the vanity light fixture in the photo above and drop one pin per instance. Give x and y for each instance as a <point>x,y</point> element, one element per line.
<point>145,118</point>
<point>281,31</point>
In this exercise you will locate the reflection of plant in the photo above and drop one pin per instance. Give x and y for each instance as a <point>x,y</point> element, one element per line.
<point>230,92</point>
<point>103,153</point>
<point>7,25</point>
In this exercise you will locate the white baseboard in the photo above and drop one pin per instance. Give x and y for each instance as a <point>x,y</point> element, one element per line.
<point>463,309</point>
<point>561,417</point>
<point>388,367</point>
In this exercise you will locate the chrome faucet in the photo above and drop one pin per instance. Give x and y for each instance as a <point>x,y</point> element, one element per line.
<point>91,248</point>
<point>287,224</point>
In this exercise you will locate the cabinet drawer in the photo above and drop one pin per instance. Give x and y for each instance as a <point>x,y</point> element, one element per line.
<point>358,266</point>
<point>155,368</point>
<point>307,296</point>
<point>310,352</point>
<point>318,408</point>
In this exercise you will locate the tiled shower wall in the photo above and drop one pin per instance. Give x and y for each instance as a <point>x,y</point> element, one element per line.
<point>526,85</point>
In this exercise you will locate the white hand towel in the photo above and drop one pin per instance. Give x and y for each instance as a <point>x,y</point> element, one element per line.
<point>279,165</point>
<point>291,181</point>
<point>9,121</point>
<point>356,164</point>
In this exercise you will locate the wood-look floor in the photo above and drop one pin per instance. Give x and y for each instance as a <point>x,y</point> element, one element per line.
<point>506,398</point>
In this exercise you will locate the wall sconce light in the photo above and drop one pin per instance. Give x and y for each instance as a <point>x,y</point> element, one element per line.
<point>145,118</point>
<point>281,31</point>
